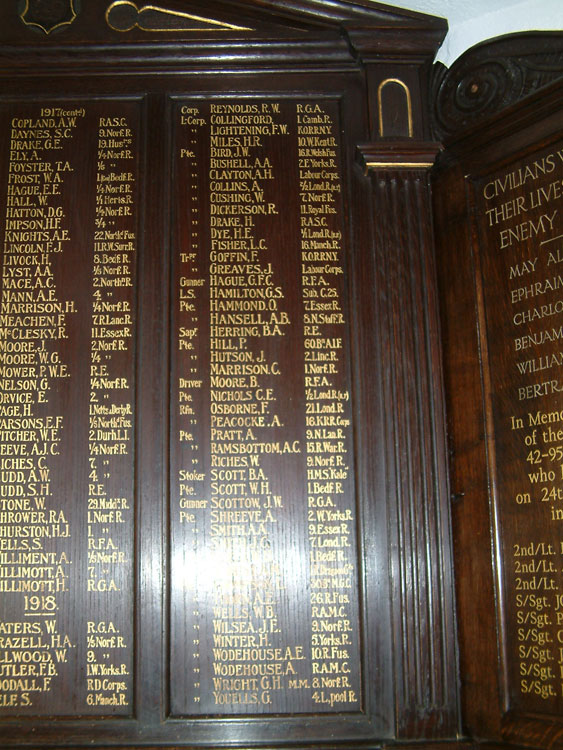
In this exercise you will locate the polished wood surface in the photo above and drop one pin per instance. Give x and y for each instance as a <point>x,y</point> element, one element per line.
<point>332,622</point>
<point>500,329</point>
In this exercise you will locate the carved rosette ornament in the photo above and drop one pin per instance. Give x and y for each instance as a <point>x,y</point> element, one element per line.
<point>48,15</point>
<point>492,76</point>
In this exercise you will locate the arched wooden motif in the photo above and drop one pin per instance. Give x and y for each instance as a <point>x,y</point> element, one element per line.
<point>395,109</point>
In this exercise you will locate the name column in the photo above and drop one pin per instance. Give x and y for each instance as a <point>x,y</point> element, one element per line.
<point>329,450</point>
<point>35,557</point>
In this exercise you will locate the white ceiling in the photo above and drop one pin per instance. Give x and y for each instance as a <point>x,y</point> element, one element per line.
<point>473,21</point>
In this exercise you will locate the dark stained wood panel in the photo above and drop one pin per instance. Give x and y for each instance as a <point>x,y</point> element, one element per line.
<point>67,417</point>
<point>520,252</point>
<point>262,456</point>
<point>420,521</point>
<point>497,200</point>
<point>300,596</point>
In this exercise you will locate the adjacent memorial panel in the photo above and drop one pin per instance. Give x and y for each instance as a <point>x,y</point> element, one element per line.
<point>521,256</point>
<point>264,610</point>
<point>69,181</point>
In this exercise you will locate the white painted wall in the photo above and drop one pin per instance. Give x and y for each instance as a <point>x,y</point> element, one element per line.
<point>474,21</point>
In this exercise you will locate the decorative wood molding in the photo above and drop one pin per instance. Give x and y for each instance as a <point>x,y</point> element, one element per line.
<point>397,155</point>
<point>362,30</point>
<point>391,41</point>
<point>492,76</point>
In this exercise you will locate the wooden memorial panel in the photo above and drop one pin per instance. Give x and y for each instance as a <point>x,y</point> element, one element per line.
<point>223,511</point>
<point>521,247</point>
<point>261,432</point>
<point>498,197</point>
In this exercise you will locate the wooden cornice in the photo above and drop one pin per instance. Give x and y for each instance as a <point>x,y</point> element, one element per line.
<point>192,31</point>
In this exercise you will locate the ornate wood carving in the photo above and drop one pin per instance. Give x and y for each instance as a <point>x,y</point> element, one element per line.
<point>492,76</point>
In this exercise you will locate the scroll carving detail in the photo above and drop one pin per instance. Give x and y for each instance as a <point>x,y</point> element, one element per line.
<point>492,76</point>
